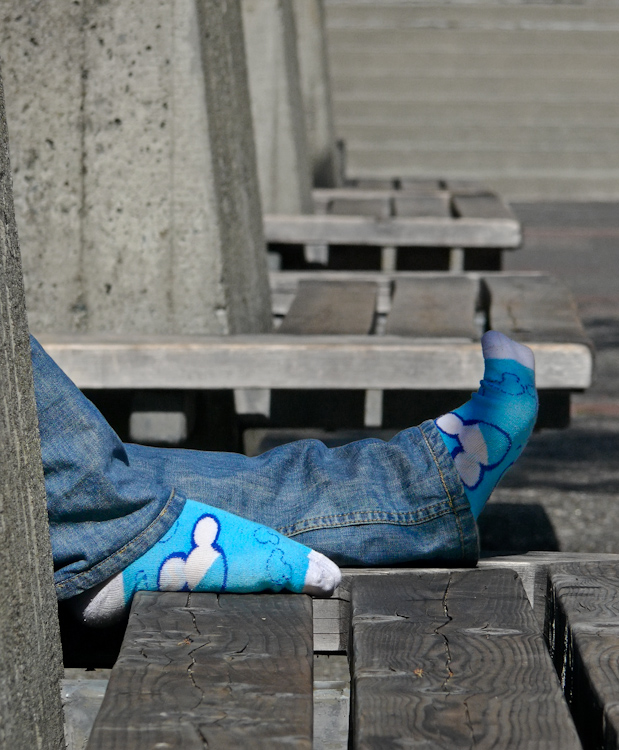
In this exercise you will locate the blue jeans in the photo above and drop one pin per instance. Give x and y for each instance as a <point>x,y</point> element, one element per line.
<point>367,503</point>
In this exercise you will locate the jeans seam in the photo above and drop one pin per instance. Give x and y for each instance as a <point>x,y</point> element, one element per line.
<point>160,515</point>
<point>447,492</point>
<point>361,518</point>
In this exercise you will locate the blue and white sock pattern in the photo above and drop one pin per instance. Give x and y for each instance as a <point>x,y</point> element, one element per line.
<point>208,549</point>
<point>488,433</point>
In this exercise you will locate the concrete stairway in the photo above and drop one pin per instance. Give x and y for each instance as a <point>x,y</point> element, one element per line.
<point>524,97</point>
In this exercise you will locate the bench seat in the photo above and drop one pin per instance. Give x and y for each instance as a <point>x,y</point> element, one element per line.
<point>437,656</point>
<point>378,334</point>
<point>409,223</point>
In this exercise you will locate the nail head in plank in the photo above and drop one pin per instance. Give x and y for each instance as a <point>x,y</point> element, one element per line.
<point>199,670</point>
<point>403,232</point>
<point>331,307</point>
<point>538,309</point>
<point>453,660</point>
<point>585,642</point>
<point>434,307</point>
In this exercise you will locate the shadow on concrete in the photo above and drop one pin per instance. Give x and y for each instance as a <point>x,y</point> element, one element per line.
<point>515,528</point>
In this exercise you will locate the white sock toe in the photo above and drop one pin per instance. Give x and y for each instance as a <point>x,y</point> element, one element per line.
<point>496,345</point>
<point>103,605</point>
<point>322,577</point>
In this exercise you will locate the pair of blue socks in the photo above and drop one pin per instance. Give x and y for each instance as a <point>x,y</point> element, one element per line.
<point>208,549</point>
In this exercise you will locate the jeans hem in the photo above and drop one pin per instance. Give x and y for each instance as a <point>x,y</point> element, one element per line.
<point>454,491</point>
<point>119,560</point>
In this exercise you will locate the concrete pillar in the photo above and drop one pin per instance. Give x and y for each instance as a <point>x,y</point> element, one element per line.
<point>30,655</point>
<point>316,90</point>
<point>284,166</point>
<point>135,166</point>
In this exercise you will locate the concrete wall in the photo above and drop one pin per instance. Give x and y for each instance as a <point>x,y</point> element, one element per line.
<point>522,95</point>
<point>30,655</point>
<point>135,176</point>
<point>316,89</point>
<point>284,167</point>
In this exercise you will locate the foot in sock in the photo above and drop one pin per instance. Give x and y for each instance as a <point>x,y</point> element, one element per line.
<point>488,433</point>
<point>211,550</point>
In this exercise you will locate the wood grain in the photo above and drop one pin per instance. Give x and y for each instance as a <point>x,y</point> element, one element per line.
<point>203,670</point>
<point>452,660</point>
<point>538,309</point>
<point>584,634</point>
<point>434,307</point>
<point>331,307</point>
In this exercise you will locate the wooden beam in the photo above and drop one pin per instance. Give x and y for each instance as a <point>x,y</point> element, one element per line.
<point>452,660</point>
<point>203,670</point>
<point>270,361</point>
<point>585,642</point>
<point>331,307</point>
<point>441,306</point>
<point>538,308</point>
<point>409,232</point>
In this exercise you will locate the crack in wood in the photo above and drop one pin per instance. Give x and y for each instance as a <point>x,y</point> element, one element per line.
<point>444,637</point>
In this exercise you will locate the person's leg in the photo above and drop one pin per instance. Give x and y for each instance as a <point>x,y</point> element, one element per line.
<point>108,515</point>
<point>487,434</point>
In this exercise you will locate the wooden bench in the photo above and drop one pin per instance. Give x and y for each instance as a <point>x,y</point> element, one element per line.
<point>358,349</point>
<point>402,224</point>
<point>449,657</point>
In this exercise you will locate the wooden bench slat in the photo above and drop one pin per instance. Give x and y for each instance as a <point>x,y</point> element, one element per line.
<point>380,207</point>
<point>484,206</point>
<point>452,660</point>
<point>331,307</point>
<point>585,642</point>
<point>202,670</point>
<point>538,309</point>
<point>269,361</point>
<point>434,307</point>
<point>403,232</point>
<point>421,204</point>
<point>420,183</point>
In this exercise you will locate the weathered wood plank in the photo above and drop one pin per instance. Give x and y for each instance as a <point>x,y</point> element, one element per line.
<point>409,232</point>
<point>482,206</point>
<point>270,361</point>
<point>421,203</point>
<point>332,616</point>
<point>331,307</point>
<point>434,307</point>
<point>585,644</point>
<point>379,207</point>
<point>202,670</point>
<point>536,310</point>
<point>452,660</point>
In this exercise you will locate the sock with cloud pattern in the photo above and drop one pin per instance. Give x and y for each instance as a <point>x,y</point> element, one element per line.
<point>488,433</point>
<point>208,549</point>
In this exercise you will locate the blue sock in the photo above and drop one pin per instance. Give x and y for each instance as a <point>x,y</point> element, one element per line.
<point>486,435</point>
<point>208,549</point>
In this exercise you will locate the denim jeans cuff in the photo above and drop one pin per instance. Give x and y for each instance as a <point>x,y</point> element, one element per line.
<point>119,560</point>
<point>454,490</point>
